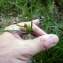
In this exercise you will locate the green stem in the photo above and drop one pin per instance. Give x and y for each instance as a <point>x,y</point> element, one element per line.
<point>31,24</point>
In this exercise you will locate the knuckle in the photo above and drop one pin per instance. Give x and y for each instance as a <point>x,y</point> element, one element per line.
<point>12,27</point>
<point>44,43</point>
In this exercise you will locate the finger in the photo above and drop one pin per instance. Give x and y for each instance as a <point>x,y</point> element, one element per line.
<point>43,43</point>
<point>37,45</point>
<point>36,21</point>
<point>36,29</point>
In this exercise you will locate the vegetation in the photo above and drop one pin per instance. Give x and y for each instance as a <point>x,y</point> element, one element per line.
<point>50,13</point>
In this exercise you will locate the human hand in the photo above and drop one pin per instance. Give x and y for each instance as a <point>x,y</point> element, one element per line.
<point>14,49</point>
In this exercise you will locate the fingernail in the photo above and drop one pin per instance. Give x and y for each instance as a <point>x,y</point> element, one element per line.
<point>54,39</point>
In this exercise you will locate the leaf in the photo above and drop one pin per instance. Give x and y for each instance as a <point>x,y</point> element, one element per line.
<point>25,26</point>
<point>28,29</point>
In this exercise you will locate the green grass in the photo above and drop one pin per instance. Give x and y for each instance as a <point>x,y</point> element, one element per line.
<point>51,21</point>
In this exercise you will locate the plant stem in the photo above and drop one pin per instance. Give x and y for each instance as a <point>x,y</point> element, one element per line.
<point>31,24</point>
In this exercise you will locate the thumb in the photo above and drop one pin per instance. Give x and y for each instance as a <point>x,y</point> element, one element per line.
<point>44,42</point>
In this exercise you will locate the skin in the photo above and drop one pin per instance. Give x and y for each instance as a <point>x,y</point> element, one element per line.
<point>14,49</point>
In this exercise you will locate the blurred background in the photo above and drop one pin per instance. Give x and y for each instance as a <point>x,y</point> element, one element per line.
<point>50,13</point>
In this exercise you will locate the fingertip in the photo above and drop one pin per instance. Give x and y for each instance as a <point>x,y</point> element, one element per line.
<point>54,39</point>
<point>46,41</point>
<point>36,21</point>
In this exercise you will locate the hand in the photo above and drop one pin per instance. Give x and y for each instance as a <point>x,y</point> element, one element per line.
<point>14,49</point>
